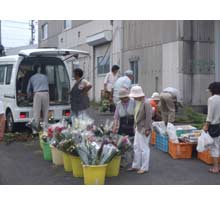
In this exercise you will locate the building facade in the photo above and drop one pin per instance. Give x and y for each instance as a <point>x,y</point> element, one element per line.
<point>181,54</point>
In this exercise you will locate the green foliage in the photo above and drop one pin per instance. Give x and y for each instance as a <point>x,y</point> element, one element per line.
<point>192,117</point>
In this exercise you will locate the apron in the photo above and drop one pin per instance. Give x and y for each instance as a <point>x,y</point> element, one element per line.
<point>79,101</point>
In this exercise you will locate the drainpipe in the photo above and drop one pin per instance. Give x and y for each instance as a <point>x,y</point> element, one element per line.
<point>191,61</point>
<point>93,71</point>
<point>121,44</point>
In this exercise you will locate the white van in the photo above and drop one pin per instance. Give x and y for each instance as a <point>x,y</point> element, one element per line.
<point>15,72</point>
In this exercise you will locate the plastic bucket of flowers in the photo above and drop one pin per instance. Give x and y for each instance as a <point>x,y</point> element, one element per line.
<point>114,167</point>
<point>40,139</point>
<point>67,162</point>
<point>77,166</point>
<point>46,151</point>
<point>94,174</point>
<point>57,156</point>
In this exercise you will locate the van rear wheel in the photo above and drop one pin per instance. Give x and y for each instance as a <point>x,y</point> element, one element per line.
<point>10,125</point>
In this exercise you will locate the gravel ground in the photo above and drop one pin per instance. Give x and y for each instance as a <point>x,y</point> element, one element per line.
<point>22,163</point>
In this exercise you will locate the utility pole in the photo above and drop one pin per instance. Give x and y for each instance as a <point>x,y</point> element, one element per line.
<point>0,33</point>
<point>32,32</point>
<point>2,49</point>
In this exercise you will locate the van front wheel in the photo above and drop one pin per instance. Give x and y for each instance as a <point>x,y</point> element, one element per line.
<point>10,125</point>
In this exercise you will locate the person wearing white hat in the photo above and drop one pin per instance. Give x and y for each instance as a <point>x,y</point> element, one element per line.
<point>154,101</point>
<point>143,126</point>
<point>124,122</point>
<point>122,82</point>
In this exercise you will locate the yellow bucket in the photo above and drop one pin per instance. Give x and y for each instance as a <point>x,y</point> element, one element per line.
<point>40,139</point>
<point>76,166</point>
<point>113,167</point>
<point>57,156</point>
<point>94,174</point>
<point>67,162</point>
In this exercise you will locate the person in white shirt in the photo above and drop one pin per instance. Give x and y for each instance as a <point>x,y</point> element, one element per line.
<point>213,120</point>
<point>109,82</point>
<point>111,78</point>
<point>122,82</point>
<point>168,100</point>
<point>2,121</point>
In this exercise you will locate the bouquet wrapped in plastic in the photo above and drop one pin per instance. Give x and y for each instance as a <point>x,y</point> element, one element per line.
<point>58,127</point>
<point>88,152</point>
<point>82,122</point>
<point>91,153</point>
<point>109,151</point>
<point>123,144</point>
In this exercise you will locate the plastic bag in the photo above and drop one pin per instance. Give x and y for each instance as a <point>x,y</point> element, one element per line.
<point>204,141</point>
<point>171,131</point>
<point>160,128</point>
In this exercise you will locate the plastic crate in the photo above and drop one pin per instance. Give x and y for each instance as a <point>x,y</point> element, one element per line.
<point>153,138</point>
<point>206,157</point>
<point>162,143</point>
<point>180,150</point>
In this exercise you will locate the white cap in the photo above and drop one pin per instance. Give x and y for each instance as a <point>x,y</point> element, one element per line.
<point>155,96</point>
<point>123,93</point>
<point>136,92</point>
<point>129,72</point>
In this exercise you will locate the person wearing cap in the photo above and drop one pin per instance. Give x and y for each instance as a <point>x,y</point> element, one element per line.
<point>213,123</point>
<point>2,121</point>
<point>124,122</point>
<point>143,126</point>
<point>169,98</point>
<point>154,101</point>
<point>122,82</point>
<point>79,94</point>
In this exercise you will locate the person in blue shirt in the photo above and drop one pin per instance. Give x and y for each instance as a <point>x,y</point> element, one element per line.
<point>38,86</point>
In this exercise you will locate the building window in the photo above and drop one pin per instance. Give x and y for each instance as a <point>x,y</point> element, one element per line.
<point>103,64</point>
<point>156,83</point>
<point>134,68</point>
<point>67,24</point>
<point>8,75</point>
<point>45,31</point>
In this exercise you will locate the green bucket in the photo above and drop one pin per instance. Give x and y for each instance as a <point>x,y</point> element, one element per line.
<point>46,151</point>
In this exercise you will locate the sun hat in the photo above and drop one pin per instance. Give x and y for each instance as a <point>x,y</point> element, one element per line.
<point>123,93</point>
<point>136,92</point>
<point>129,72</point>
<point>155,96</point>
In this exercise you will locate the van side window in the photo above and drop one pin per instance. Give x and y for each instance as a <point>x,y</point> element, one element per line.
<point>2,74</point>
<point>8,74</point>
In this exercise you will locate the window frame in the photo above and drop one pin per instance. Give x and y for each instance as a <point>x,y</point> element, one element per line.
<point>44,35</point>
<point>66,23</point>
<point>134,67</point>
<point>105,68</point>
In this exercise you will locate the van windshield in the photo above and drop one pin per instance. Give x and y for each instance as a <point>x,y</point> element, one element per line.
<point>54,68</point>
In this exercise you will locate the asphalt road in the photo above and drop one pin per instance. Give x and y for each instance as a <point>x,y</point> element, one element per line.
<point>21,163</point>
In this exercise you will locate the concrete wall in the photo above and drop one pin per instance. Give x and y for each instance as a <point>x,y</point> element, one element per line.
<point>154,44</point>
<point>54,28</point>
